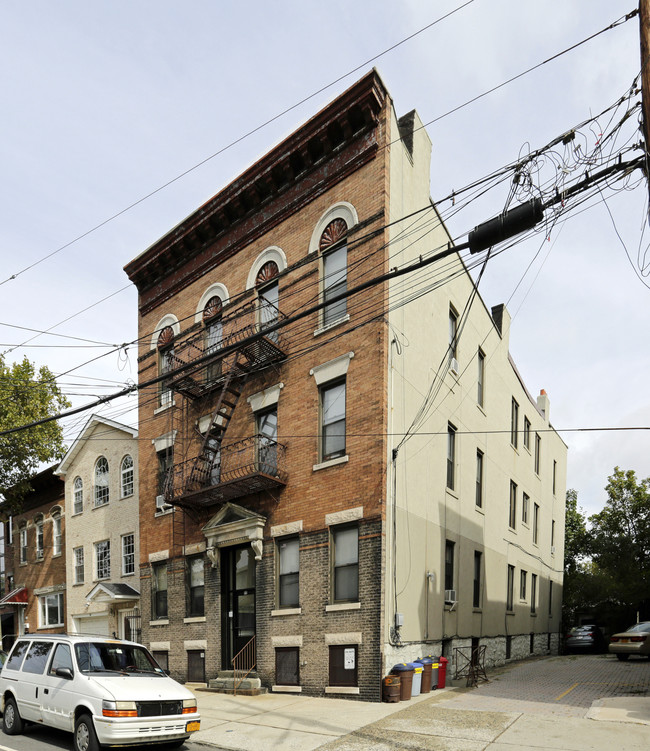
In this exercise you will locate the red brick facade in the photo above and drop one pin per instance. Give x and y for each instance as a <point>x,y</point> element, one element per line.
<point>338,159</point>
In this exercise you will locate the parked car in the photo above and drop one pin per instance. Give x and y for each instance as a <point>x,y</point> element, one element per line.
<point>585,639</point>
<point>634,641</point>
<point>105,691</point>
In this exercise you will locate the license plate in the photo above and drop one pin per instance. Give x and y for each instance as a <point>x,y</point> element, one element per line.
<point>624,641</point>
<point>192,726</point>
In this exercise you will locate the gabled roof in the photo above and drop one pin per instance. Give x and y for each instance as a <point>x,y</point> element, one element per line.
<point>93,422</point>
<point>110,592</point>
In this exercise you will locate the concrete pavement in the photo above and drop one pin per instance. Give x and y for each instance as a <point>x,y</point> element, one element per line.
<point>562,703</point>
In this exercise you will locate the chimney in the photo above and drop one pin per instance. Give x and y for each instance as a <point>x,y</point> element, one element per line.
<point>544,405</point>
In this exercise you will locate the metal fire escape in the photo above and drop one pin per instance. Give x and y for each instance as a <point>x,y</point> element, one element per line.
<point>207,469</point>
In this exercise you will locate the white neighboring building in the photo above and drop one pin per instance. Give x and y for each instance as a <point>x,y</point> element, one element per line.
<point>100,471</point>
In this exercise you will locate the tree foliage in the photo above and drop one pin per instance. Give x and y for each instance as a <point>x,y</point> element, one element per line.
<point>27,395</point>
<point>620,539</point>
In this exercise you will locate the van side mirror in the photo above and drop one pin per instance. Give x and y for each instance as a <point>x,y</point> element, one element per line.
<point>64,673</point>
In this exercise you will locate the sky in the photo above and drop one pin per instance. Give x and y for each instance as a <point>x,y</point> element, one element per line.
<point>120,118</point>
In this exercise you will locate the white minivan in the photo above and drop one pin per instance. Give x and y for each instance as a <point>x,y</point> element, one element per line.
<point>105,691</point>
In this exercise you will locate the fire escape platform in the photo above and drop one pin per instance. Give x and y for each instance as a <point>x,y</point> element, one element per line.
<point>255,482</point>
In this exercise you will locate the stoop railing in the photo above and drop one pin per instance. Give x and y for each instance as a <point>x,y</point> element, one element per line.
<point>243,663</point>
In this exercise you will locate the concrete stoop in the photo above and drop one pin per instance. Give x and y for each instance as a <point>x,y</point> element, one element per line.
<point>224,683</point>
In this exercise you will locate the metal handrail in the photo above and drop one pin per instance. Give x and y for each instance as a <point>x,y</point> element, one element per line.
<point>243,663</point>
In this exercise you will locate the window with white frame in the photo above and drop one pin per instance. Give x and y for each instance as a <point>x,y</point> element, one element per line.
<point>345,563</point>
<point>451,456</point>
<point>103,559</point>
<point>78,496</point>
<point>78,562</point>
<point>332,414</point>
<point>479,478</point>
<point>102,492</point>
<point>512,515</point>
<point>57,545</point>
<point>126,476</point>
<point>288,549</point>
<point>39,539</point>
<point>23,544</point>
<point>165,364</point>
<point>535,523</point>
<point>128,554</point>
<point>50,608</point>
<point>212,335</point>
<point>334,254</point>
<point>514,423</point>
<point>268,297</point>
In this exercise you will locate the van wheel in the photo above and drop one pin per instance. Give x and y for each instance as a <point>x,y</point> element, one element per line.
<point>85,738</point>
<point>12,722</point>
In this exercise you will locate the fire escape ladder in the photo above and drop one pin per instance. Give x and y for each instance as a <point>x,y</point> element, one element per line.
<point>207,465</point>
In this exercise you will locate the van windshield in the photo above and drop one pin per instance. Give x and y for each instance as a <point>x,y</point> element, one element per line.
<point>108,657</point>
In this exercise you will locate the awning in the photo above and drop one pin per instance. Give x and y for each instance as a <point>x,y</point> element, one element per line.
<point>109,592</point>
<point>17,596</point>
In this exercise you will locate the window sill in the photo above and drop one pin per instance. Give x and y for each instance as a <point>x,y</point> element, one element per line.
<point>479,611</point>
<point>286,611</point>
<point>163,513</point>
<point>331,463</point>
<point>286,689</point>
<point>510,612</point>
<point>77,513</point>
<point>160,622</point>
<point>334,324</point>
<point>342,606</point>
<point>352,690</point>
<point>100,505</point>
<point>49,625</point>
<point>451,492</point>
<point>533,615</point>
<point>78,584</point>
<point>163,407</point>
<point>481,409</point>
<point>195,619</point>
<point>479,509</point>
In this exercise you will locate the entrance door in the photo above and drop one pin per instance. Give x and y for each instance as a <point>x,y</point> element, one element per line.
<point>238,616</point>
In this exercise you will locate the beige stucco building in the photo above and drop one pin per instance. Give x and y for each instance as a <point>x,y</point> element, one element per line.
<point>100,471</point>
<point>476,472</point>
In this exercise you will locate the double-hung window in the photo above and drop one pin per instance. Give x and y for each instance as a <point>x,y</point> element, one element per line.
<point>523,577</point>
<point>535,523</point>
<point>451,456</point>
<point>449,564</point>
<point>78,495</point>
<point>332,411</point>
<point>476,596</point>
<point>334,254</point>
<point>267,441</point>
<point>39,539</point>
<point>510,593</point>
<point>453,334</point>
<point>103,559</point>
<point>128,554</point>
<point>288,572</point>
<point>78,561</point>
<point>538,452</point>
<point>23,544</point>
<point>345,564</point>
<point>526,433</point>
<point>57,544</point>
<point>480,378</point>
<point>165,364</point>
<point>512,517</point>
<point>479,478</point>
<point>514,423</point>
<point>159,591</point>
<point>525,503</point>
<point>268,298</point>
<point>533,593</point>
<point>212,335</point>
<point>195,586</point>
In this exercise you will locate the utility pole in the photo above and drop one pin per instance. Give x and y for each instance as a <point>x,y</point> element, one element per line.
<point>644,29</point>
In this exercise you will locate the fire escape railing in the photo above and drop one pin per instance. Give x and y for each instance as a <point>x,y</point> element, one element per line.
<point>242,467</point>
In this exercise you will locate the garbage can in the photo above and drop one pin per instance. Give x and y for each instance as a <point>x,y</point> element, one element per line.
<point>434,671</point>
<point>427,662</point>
<point>391,688</point>
<point>442,671</point>
<point>417,678</point>
<point>405,671</point>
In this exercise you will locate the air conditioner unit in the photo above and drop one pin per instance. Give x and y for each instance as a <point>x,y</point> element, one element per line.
<point>161,504</point>
<point>453,366</point>
<point>450,595</point>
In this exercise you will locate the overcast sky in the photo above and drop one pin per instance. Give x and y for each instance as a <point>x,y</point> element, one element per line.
<point>107,101</point>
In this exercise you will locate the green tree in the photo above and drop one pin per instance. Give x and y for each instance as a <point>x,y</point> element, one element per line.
<point>580,589</point>
<point>620,540</point>
<point>27,395</point>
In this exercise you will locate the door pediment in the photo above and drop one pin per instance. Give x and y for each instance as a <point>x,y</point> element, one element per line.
<point>234,525</point>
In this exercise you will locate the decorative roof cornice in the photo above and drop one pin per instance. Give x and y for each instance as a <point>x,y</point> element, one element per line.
<point>332,144</point>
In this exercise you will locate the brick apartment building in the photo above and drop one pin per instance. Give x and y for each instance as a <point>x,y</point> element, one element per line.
<point>284,509</point>
<point>34,545</point>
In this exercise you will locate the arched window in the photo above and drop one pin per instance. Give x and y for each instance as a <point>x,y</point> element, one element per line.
<point>213,334</point>
<point>165,363</point>
<point>268,293</point>
<point>78,496</point>
<point>101,481</point>
<point>126,476</point>
<point>334,266</point>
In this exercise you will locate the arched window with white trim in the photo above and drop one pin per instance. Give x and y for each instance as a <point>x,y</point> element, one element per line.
<point>78,496</point>
<point>268,294</point>
<point>102,492</point>
<point>213,335</point>
<point>165,347</point>
<point>126,476</point>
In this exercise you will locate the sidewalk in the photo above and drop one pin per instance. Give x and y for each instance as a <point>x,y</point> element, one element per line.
<point>556,704</point>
